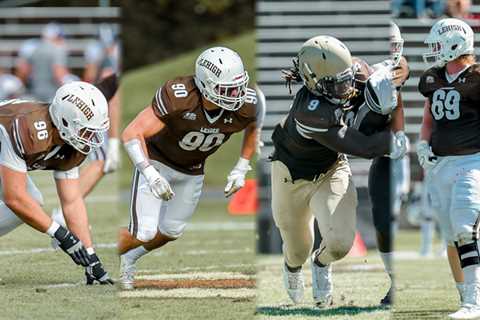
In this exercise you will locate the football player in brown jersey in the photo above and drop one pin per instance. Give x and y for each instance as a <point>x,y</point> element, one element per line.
<point>106,158</point>
<point>168,142</point>
<point>311,177</point>
<point>58,137</point>
<point>449,150</point>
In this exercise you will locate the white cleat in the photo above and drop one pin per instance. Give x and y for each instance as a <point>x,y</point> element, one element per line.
<point>321,284</point>
<point>470,308</point>
<point>127,273</point>
<point>294,284</point>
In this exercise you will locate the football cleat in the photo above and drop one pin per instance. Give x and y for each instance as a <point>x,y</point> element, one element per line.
<point>470,308</point>
<point>127,273</point>
<point>294,284</point>
<point>387,301</point>
<point>321,283</point>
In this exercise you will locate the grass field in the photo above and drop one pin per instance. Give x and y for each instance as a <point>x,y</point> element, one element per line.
<point>359,284</point>
<point>425,288</point>
<point>39,283</point>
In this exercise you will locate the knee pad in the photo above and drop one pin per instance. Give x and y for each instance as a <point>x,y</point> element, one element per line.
<point>468,253</point>
<point>172,230</point>
<point>146,235</point>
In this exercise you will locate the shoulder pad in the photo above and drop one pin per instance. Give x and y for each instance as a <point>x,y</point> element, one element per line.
<point>314,114</point>
<point>33,132</point>
<point>176,95</point>
<point>428,80</point>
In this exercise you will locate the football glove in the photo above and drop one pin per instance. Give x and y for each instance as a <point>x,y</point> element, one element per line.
<point>96,273</point>
<point>426,157</point>
<point>70,244</point>
<point>158,184</point>
<point>113,159</point>
<point>400,145</point>
<point>236,178</point>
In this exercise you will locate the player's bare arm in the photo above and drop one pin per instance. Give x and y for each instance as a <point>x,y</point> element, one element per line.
<point>426,157</point>
<point>74,209</point>
<point>16,197</point>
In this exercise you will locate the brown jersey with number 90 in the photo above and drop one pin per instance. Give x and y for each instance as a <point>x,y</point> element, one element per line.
<point>190,134</point>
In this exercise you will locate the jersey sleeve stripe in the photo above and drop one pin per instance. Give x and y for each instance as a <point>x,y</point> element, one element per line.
<point>16,137</point>
<point>308,128</point>
<point>161,106</point>
<point>303,133</point>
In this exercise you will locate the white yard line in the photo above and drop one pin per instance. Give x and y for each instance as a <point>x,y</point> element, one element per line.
<point>194,293</point>
<point>196,276</point>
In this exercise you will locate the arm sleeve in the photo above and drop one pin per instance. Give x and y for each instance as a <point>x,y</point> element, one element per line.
<point>8,156</point>
<point>347,140</point>
<point>69,174</point>
<point>261,108</point>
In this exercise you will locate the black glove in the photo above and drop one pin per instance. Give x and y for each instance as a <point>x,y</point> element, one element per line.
<point>95,272</point>
<point>69,243</point>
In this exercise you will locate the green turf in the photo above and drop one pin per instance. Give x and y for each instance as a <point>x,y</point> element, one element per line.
<point>139,86</point>
<point>356,293</point>
<point>425,288</point>
<point>26,277</point>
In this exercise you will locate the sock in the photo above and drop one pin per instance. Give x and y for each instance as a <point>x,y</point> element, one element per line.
<point>427,229</point>
<point>460,288</point>
<point>472,274</point>
<point>136,253</point>
<point>57,215</point>
<point>387,258</point>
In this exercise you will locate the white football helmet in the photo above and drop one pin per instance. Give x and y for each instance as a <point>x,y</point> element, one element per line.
<point>80,113</point>
<point>221,77</point>
<point>396,43</point>
<point>448,39</point>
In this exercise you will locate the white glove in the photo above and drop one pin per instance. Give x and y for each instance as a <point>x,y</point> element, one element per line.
<point>112,161</point>
<point>400,145</point>
<point>159,185</point>
<point>236,178</point>
<point>426,157</point>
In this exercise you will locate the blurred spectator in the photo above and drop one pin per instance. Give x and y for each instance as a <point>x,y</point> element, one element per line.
<point>22,66</point>
<point>11,87</point>
<point>47,64</point>
<point>459,9</point>
<point>102,55</point>
<point>420,9</point>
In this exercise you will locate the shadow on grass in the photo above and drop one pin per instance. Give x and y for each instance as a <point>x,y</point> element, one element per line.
<point>288,310</point>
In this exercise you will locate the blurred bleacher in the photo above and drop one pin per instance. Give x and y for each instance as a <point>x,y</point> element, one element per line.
<point>80,25</point>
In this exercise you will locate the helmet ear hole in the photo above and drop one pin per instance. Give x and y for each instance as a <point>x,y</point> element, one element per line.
<point>64,122</point>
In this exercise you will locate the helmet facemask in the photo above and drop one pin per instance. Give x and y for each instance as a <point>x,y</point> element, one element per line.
<point>83,139</point>
<point>338,89</point>
<point>228,95</point>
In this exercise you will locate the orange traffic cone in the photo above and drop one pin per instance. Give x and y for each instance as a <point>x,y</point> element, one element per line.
<point>358,249</point>
<point>244,201</point>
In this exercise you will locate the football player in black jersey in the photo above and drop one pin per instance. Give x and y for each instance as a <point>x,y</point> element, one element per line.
<point>311,177</point>
<point>449,149</point>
